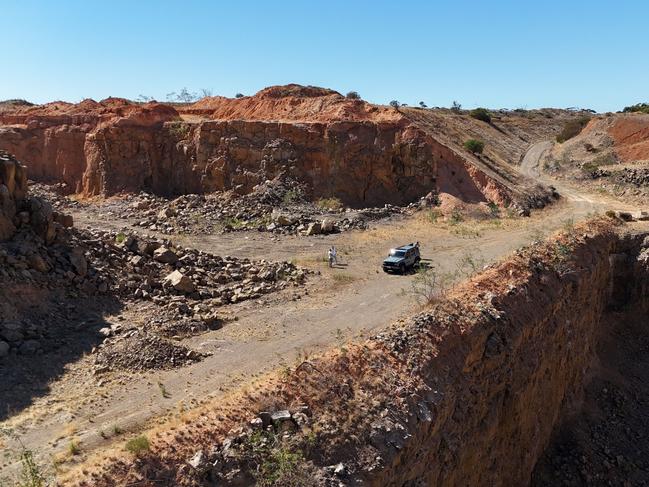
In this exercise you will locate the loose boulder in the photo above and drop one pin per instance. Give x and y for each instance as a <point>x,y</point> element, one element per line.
<point>180,282</point>
<point>314,228</point>
<point>165,255</point>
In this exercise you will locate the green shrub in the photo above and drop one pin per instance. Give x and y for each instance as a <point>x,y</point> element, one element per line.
<point>31,475</point>
<point>589,168</point>
<point>474,146</point>
<point>234,223</point>
<point>179,130</point>
<point>291,196</point>
<point>353,95</point>
<point>638,107</point>
<point>395,104</point>
<point>456,217</point>
<point>572,128</point>
<point>494,210</point>
<point>137,445</point>
<point>73,448</point>
<point>605,159</point>
<point>481,114</point>
<point>239,95</point>
<point>281,467</point>
<point>434,216</point>
<point>332,203</point>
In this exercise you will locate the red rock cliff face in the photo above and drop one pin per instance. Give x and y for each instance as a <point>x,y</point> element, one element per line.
<point>367,156</point>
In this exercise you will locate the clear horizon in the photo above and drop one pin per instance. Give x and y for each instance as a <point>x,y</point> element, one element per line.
<point>503,54</point>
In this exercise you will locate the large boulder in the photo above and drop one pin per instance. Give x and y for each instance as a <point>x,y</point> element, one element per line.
<point>282,219</point>
<point>180,282</point>
<point>78,261</point>
<point>42,218</point>
<point>328,225</point>
<point>165,255</point>
<point>314,228</point>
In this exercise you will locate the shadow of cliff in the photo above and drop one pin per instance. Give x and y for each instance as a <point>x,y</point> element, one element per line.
<point>70,330</point>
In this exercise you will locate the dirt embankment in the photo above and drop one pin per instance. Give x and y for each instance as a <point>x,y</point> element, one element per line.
<point>364,154</point>
<point>611,139</point>
<point>610,155</point>
<point>468,393</point>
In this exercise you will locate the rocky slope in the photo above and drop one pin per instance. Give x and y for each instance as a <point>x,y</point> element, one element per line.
<point>467,393</point>
<point>59,285</point>
<point>363,154</point>
<point>619,138</point>
<point>610,155</point>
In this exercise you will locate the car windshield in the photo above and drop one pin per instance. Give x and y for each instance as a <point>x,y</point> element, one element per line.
<point>397,253</point>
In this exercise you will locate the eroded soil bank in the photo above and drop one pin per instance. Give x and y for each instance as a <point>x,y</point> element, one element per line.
<point>469,392</point>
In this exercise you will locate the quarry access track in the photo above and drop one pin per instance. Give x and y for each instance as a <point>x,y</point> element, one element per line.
<point>350,301</point>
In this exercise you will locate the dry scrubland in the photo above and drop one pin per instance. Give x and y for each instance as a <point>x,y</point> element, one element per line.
<point>168,316</point>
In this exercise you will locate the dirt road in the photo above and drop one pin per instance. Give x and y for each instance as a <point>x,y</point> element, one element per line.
<point>355,299</point>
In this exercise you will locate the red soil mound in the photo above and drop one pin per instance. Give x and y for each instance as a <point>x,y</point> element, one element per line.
<point>631,137</point>
<point>292,103</point>
<point>114,110</point>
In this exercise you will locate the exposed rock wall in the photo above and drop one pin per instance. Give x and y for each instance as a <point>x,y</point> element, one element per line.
<point>13,188</point>
<point>499,389</point>
<point>361,153</point>
<point>362,163</point>
<point>17,210</point>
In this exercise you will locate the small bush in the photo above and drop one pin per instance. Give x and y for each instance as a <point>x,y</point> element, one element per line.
<point>282,467</point>
<point>30,475</point>
<point>456,107</point>
<point>291,196</point>
<point>474,146</point>
<point>589,167</point>
<point>239,95</point>
<point>481,114</point>
<point>434,216</point>
<point>572,128</point>
<point>456,217</point>
<point>395,104</point>
<point>430,285</point>
<point>605,160</point>
<point>331,204</point>
<point>234,223</point>
<point>179,130</point>
<point>494,210</point>
<point>423,105</point>
<point>137,445</point>
<point>73,448</point>
<point>353,95</point>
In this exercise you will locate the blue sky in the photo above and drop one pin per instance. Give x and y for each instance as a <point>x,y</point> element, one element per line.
<point>490,53</point>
